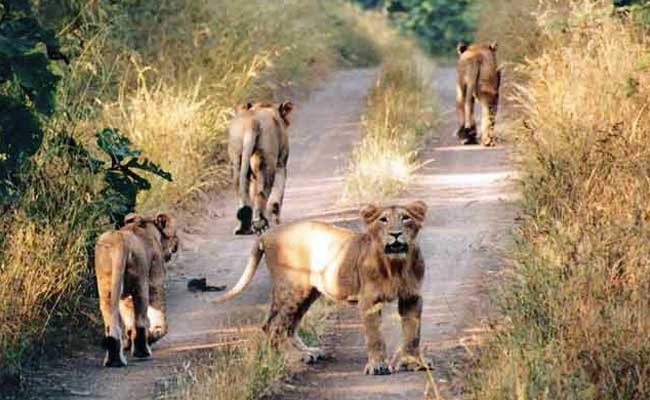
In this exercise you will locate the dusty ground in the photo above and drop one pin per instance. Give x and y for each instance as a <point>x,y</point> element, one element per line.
<point>467,190</point>
<point>469,194</point>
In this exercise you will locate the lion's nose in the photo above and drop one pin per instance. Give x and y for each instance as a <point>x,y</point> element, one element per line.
<point>396,235</point>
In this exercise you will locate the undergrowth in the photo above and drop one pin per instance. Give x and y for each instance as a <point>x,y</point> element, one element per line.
<point>575,302</point>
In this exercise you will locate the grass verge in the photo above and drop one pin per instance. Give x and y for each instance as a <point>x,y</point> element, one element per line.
<point>401,112</point>
<point>574,304</point>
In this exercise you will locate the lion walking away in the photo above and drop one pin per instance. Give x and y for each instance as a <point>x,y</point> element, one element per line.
<point>477,78</point>
<point>258,147</point>
<point>130,278</point>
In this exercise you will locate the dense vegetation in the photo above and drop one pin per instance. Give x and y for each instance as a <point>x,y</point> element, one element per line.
<point>94,87</point>
<point>575,302</point>
<point>438,24</point>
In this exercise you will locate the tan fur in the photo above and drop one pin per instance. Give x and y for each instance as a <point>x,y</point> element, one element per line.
<point>477,77</point>
<point>258,147</point>
<point>129,265</point>
<point>307,259</point>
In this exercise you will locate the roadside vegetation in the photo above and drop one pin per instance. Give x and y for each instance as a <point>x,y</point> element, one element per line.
<point>163,76</point>
<point>575,301</point>
<point>400,115</point>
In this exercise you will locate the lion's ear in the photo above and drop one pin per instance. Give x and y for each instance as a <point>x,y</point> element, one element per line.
<point>461,47</point>
<point>418,209</point>
<point>494,46</point>
<point>285,108</point>
<point>369,213</point>
<point>241,108</point>
<point>164,223</point>
<point>131,218</point>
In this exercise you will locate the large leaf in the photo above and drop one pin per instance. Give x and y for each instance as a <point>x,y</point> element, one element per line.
<point>116,145</point>
<point>149,166</point>
<point>38,82</point>
<point>20,135</point>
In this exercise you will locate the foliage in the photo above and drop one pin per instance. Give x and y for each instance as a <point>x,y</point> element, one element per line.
<point>122,183</point>
<point>438,24</point>
<point>27,86</point>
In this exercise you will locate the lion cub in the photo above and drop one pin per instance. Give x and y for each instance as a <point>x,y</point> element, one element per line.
<point>129,264</point>
<point>309,259</point>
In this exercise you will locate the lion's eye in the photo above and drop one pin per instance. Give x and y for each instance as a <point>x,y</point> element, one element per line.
<point>383,220</point>
<point>405,218</point>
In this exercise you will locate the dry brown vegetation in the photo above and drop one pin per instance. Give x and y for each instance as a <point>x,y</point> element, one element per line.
<point>575,303</point>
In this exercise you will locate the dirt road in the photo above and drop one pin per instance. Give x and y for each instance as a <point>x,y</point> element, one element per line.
<point>466,189</point>
<point>469,194</point>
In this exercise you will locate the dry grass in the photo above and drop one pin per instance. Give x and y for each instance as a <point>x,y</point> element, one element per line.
<point>575,306</point>
<point>401,112</point>
<point>244,371</point>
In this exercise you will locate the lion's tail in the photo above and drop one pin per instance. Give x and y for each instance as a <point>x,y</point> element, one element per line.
<point>246,278</point>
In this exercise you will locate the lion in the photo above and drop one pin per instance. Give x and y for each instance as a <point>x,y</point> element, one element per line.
<point>477,77</point>
<point>130,270</point>
<point>258,148</point>
<point>310,259</point>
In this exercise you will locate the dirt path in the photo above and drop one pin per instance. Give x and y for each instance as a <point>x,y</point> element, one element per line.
<point>469,195</point>
<point>322,133</point>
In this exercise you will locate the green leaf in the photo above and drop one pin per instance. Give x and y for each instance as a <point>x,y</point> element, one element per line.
<point>20,135</point>
<point>115,144</point>
<point>149,166</point>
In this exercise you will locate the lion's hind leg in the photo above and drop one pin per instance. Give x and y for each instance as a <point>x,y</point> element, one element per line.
<point>109,268</point>
<point>288,306</point>
<point>140,348</point>
<point>277,194</point>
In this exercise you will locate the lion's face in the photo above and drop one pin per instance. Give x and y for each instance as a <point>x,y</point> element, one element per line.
<point>394,228</point>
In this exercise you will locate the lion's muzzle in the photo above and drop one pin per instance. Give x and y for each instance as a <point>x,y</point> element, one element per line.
<point>396,248</point>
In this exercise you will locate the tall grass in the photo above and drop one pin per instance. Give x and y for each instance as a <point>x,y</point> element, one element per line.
<point>401,112</point>
<point>575,304</point>
<point>166,74</point>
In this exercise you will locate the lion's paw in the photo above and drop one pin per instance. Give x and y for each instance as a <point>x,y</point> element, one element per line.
<point>260,225</point>
<point>410,363</point>
<point>245,216</point>
<point>114,355</point>
<point>312,356</point>
<point>377,368</point>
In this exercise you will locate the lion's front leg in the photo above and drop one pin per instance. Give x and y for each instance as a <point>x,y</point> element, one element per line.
<point>408,357</point>
<point>371,316</point>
